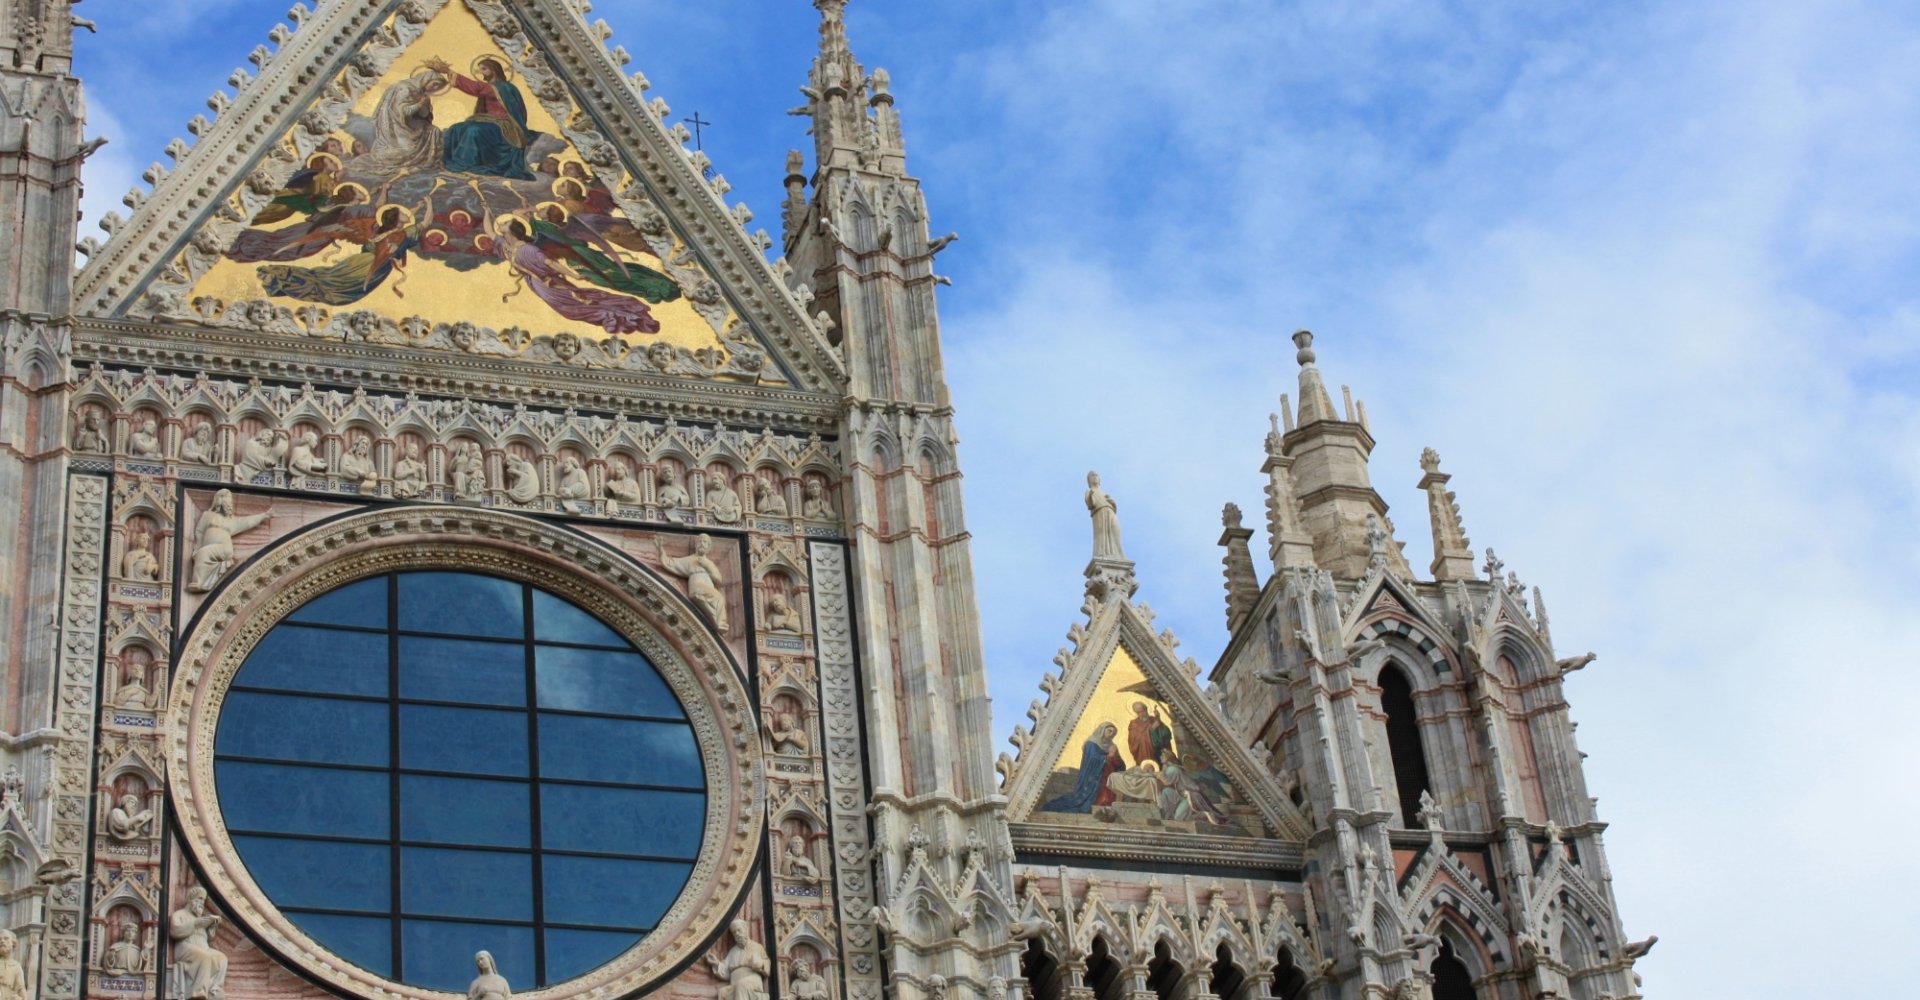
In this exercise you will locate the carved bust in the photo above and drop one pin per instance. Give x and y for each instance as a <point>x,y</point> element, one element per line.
<point>358,464</point>
<point>767,500</point>
<point>410,474</point>
<point>144,442</point>
<point>620,483</point>
<point>198,447</point>
<point>722,502</point>
<point>814,505</point>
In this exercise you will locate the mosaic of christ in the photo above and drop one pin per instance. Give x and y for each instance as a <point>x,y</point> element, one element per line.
<point>448,193</point>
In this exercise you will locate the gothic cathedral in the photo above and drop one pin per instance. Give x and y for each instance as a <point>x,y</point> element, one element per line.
<point>454,552</point>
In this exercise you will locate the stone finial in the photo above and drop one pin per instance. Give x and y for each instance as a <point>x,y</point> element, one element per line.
<point>1110,573</point>
<point>1303,339</point>
<point>1452,552</point>
<point>1243,584</point>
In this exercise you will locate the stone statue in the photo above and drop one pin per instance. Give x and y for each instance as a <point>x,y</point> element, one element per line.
<point>767,500</point>
<point>523,479</point>
<point>786,734</point>
<point>489,984</point>
<point>467,473</point>
<point>203,969</point>
<point>673,497</point>
<point>91,434</point>
<point>124,956</point>
<point>261,452</point>
<point>743,969</point>
<point>814,504</point>
<point>803,983</point>
<point>722,502</point>
<point>198,447</point>
<point>574,484</point>
<point>358,465</point>
<point>145,441</point>
<point>127,821</point>
<point>621,485</point>
<point>410,474</point>
<point>781,617</point>
<point>139,562</point>
<point>306,455</point>
<point>13,979</point>
<point>702,575</point>
<point>133,691</point>
<point>800,866</point>
<point>1106,520</point>
<point>213,541</point>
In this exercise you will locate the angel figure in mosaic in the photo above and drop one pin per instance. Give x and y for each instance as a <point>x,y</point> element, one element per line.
<point>353,278</point>
<point>536,267</point>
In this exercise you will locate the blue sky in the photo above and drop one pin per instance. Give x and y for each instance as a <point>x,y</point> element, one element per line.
<point>1643,273</point>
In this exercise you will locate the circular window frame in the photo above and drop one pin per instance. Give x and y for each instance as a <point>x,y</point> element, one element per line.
<point>626,596</point>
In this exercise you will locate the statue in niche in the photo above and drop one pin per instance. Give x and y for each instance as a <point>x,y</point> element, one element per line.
<point>574,485</point>
<point>468,471</point>
<point>523,479</point>
<point>198,447</point>
<point>144,442</point>
<point>13,979</point>
<point>358,465</point>
<point>621,485</point>
<point>133,691</point>
<point>744,968</point>
<point>800,866</point>
<point>489,984</point>
<point>213,541</point>
<point>786,734</point>
<point>91,433</point>
<point>702,575</point>
<point>803,983</point>
<point>673,496</point>
<point>125,956</point>
<point>139,562</point>
<point>261,452</point>
<point>1106,520</point>
<point>722,502</point>
<point>409,474</point>
<point>781,617</point>
<point>767,500</point>
<point>306,455</point>
<point>814,505</point>
<point>203,969</point>
<point>127,821</point>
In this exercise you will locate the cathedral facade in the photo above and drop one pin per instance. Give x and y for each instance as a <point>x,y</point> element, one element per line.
<point>455,551</point>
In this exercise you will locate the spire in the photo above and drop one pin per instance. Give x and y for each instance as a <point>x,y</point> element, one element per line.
<point>1452,552</point>
<point>1328,450</point>
<point>36,36</point>
<point>854,120</point>
<point>1110,573</point>
<point>1243,585</point>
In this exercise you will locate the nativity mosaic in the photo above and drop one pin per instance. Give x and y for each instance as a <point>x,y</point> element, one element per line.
<point>1133,762</point>
<point>450,193</point>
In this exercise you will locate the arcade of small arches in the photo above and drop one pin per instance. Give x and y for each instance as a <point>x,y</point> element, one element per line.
<point>1104,974</point>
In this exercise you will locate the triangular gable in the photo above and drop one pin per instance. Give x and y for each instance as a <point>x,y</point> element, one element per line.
<point>376,182</point>
<point>1128,744</point>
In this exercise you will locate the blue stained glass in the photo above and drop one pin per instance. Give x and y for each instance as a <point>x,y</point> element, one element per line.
<point>362,604</point>
<point>324,875</point>
<point>635,753</point>
<point>440,882</point>
<point>592,680</point>
<point>572,953</point>
<point>463,740</point>
<point>465,811</point>
<point>325,802</point>
<point>462,604</point>
<point>485,673</point>
<point>602,892</point>
<point>622,820</point>
<point>365,941</point>
<point>555,620</point>
<point>319,660</point>
<point>323,698</point>
<point>296,728</point>
<point>439,953</point>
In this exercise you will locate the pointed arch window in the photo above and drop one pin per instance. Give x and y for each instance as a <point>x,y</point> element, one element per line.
<point>1403,741</point>
<point>1451,980</point>
<point>1103,973</point>
<point>1289,983</point>
<point>1042,972</point>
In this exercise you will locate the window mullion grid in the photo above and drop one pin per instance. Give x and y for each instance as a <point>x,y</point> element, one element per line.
<point>533,791</point>
<point>393,771</point>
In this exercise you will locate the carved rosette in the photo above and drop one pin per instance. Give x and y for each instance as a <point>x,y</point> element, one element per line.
<point>649,613</point>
